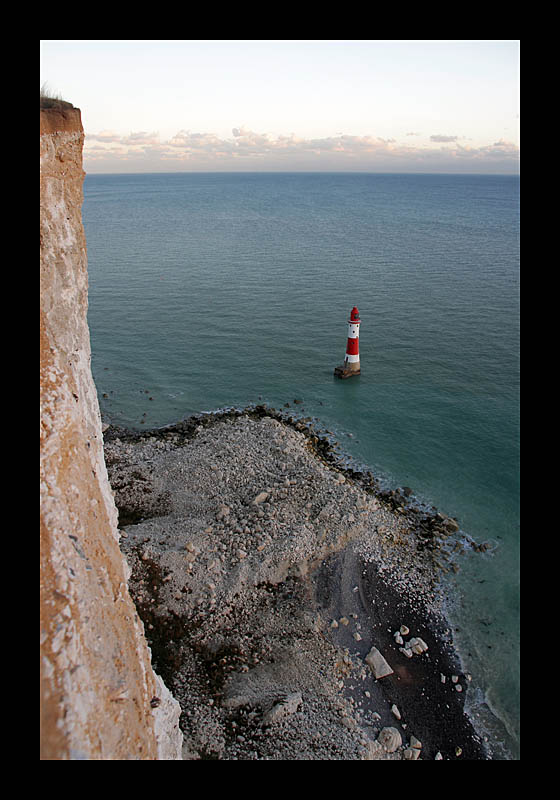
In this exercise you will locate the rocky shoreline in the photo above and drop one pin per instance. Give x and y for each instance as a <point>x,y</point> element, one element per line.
<point>292,604</point>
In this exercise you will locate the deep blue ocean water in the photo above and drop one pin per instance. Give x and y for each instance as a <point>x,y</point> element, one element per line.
<point>214,290</point>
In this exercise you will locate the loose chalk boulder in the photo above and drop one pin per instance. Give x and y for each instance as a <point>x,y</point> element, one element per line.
<point>390,739</point>
<point>378,664</point>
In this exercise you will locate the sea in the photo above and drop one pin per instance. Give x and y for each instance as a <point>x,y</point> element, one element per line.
<point>217,290</point>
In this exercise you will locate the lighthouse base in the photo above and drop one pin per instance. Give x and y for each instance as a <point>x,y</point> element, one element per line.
<point>345,372</point>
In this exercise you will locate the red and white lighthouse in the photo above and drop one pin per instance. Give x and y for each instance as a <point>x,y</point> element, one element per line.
<point>351,364</point>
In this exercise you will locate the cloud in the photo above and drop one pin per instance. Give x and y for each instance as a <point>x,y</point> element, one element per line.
<point>440,138</point>
<point>247,150</point>
<point>141,138</point>
<point>104,136</point>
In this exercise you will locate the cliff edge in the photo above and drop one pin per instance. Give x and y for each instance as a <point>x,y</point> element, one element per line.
<point>100,698</point>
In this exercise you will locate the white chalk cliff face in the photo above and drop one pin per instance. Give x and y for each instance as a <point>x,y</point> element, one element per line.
<point>100,699</point>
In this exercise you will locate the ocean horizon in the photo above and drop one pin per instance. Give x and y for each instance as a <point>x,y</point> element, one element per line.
<point>467,174</point>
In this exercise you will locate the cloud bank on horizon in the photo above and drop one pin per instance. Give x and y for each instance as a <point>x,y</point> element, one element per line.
<point>292,105</point>
<point>247,150</point>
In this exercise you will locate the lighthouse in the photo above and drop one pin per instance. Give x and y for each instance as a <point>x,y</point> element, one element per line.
<point>351,364</point>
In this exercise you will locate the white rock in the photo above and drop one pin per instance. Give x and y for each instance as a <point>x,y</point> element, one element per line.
<point>404,630</point>
<point>166,724</point>
<point>260,498</point>
<point>289,705</point>
<point>417,645</point>
<point>390,739</point>
<point>378,664</point>
<point>411,754</point>
<point>398,638</point>
<point>396,712</point>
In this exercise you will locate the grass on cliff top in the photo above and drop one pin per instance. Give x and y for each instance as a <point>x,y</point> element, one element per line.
<point>50,99</point>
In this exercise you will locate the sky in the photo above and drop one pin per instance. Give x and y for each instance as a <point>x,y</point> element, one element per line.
<point>445,106</point>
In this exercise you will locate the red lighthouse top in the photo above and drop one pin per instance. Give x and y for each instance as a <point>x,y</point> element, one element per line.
<point>355,315</point>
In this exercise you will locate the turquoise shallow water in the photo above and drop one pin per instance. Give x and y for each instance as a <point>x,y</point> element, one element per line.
<point>213,290</point>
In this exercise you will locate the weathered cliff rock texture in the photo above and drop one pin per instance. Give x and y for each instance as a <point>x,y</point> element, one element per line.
<point>100,699</point>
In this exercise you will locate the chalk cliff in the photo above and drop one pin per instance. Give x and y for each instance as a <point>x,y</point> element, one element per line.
<point>100,698</point>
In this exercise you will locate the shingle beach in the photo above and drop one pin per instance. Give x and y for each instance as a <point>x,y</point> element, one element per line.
<point>291,604</point>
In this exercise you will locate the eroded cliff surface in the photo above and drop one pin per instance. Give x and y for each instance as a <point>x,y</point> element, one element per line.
<point>100,698</point>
